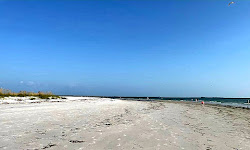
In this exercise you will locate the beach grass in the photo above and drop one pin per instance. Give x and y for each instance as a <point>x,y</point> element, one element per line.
<point>42,95</point>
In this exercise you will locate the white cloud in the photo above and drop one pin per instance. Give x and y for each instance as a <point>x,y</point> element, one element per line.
<point>21,82</point>
<point>30,83</point>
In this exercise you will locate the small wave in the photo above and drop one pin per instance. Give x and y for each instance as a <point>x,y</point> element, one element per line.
<point>231,104</point>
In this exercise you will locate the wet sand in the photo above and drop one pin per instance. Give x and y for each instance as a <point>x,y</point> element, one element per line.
<point>96,123</point>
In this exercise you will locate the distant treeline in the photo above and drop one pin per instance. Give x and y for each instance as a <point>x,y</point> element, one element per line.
<point>42,95</point>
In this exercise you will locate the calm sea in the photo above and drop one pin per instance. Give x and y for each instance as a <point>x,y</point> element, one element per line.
<point>236,102</point>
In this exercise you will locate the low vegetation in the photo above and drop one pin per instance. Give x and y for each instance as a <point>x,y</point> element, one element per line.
<point>42,95</point>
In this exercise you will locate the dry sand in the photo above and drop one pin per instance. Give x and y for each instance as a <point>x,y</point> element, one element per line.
<point>97,124</point>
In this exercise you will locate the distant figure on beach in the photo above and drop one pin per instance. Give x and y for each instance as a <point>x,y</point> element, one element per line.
<point>248,102</point>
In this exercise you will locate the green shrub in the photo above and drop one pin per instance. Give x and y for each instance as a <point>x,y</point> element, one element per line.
<point>44,96</point>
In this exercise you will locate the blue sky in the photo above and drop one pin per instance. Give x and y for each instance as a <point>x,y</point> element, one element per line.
<point>126,47</point>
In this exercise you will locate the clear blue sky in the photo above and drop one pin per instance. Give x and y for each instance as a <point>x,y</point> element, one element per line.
<point>126,47</point>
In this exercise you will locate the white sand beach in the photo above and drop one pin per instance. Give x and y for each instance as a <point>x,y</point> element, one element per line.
<point>101,123</point>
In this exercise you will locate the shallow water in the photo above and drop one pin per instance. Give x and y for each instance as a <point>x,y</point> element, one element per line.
<point>235,102</point>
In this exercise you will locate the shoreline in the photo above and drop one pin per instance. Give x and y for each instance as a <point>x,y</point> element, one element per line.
<point>195,103</point>
<point>23,100</point>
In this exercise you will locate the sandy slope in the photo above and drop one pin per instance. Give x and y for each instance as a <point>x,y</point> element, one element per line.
<point>96,124</point>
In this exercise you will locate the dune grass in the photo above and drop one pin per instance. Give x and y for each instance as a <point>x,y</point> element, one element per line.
<point>42,95</point>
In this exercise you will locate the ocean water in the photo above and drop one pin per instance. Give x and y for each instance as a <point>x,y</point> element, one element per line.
<point>235,102</point>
